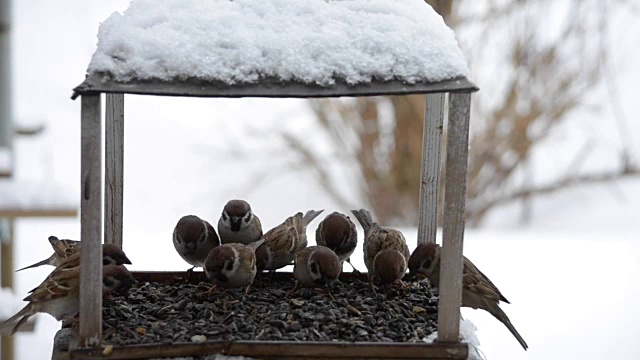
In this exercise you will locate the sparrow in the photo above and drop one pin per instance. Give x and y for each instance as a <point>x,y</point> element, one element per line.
<point>232,265</point>
<point>193,239</point>
<point>61,250</point>
<point>385,251</point>
<point>478,292</point>
<point>338,233</point>
<point>283,241</point>
<point>59,295</point>
<point>111,255</point>
<point>238,224</point>
<point>316,266</point>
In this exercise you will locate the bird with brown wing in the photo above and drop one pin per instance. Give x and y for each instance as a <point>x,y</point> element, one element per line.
<point>478,292</point>
<point>385,251</point>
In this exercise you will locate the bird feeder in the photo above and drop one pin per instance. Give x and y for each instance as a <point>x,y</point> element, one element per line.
<point>276,49</point>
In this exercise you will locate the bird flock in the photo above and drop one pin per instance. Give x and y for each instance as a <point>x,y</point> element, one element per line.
<point>233,255</point>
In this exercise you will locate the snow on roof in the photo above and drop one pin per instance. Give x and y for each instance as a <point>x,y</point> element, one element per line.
<point>34,197</point>
<point>311,41</point>
<point>6,161</point>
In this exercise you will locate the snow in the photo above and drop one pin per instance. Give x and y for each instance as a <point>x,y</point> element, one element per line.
<point>311,41</point>
<point>467,335</point>
<point>6,161</point>
<point>11,304</point>
<point>572,275</point>
<point>27,195</point>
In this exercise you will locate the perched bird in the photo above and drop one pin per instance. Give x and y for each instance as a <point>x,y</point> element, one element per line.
<point>283,241</point>
<point>193,239</point>
<point>238,224</point>
<point>59,295</point>
<point>111,255</point>
<point>478,292</point>
<point>61,250</point>
<point>338,233</point>
<point>316,266</point>
<point>385,251</point>
<point>232,265</point>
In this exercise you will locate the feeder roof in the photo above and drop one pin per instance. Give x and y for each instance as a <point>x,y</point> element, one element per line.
<point>276,48</point>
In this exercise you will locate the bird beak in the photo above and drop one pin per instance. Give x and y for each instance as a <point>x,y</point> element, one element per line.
<point>235,222</point>
<point>127,261</point>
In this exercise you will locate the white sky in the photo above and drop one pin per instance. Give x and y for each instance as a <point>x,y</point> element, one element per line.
<point>572,274</point>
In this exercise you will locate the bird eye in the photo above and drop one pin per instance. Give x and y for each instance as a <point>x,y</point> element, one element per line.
<point>107,282</point>
<point>107,261</point>
<point>224,217</point>
<point>247,218</point>
<point>202,238</point>
<point>229,266</point>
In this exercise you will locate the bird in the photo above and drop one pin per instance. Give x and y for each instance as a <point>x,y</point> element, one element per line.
<point>316,266</point>
<point>385,251</point>
<point>62,248</point>
<point>59,295</point>
<point>238,224</point>
<point>111,255</point>
<point>337,232</point>
<point>193,239</point>
<point>232,265</point>
<point>478,292</point>
<point>283,241</point>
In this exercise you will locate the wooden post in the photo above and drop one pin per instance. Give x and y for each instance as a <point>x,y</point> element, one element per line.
<point>430,181</point>
<point>453,231</point>
<point>114,164</point>
<point>91,222</point>
<point>6,280</point>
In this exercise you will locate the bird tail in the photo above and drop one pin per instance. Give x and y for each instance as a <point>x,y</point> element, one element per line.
<point>500,315</point>
<point>364,218</point>
<point>256,244</point>
<point>39,263</point>
<point>24,314</point>
<point>310,215</point>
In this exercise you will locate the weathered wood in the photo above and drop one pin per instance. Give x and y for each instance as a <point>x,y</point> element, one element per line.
<point>15,213</point>
<point>91,222</point>
<point>453,231</point>
<point>114,164</point>
<point>7,344</point>
<point>283,350</point>
<point>431,155</point>
<point>99,83</point>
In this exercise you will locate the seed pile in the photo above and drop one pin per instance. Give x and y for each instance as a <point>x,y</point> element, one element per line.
<point>179,312</point>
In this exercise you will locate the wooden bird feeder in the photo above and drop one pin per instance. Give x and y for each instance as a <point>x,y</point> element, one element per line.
<point>456,89</point>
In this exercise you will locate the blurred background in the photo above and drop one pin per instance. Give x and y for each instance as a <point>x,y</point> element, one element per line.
<point>554,166</point>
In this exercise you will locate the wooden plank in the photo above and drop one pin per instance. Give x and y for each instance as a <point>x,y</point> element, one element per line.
<point>91,222</point>
<point>15,213</point>
<point>114,164</point>
<point>431,155</point>
<point>453,231</point>
<point>99,83</point>
<point>283,350</point>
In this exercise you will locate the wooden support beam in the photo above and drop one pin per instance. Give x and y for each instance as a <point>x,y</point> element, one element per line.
<point>7,344</point>
<point>114,165</point>
<point>91,222</point>
<point>431,155</point>
<point>453,232</point>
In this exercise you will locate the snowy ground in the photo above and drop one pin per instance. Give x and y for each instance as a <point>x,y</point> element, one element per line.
<point>572,274</point>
